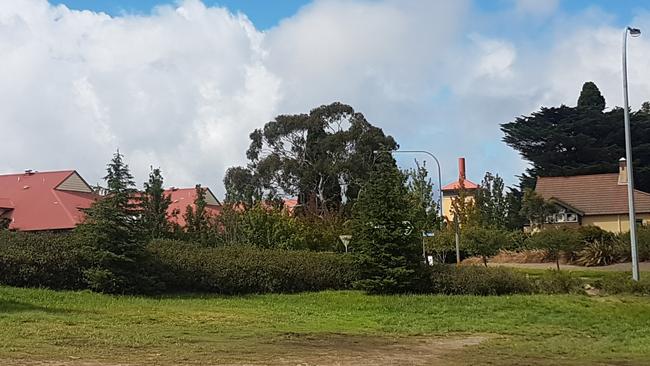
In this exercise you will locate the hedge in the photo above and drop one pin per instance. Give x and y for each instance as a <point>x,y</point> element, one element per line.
<point>186,267</point>
<point>52,260</point>
<point>478,280</point>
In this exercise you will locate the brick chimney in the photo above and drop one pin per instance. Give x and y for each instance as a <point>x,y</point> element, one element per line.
<point>461,169</point>
<point>622,171</point>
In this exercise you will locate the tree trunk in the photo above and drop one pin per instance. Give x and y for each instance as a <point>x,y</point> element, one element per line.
<point>485,260</point>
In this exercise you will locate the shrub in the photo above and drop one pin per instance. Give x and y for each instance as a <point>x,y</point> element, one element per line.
<point>555,241</point>
<point>600,253</point>
<point>622,283</point>
<point>42,260</point>
<point>643,243</point>
<point>241,270</point>
<point>590,234</point>
<point>442,245</point>
<point>516,241</point>
<point>477,280</point>
<point>557,282</point>
<point>483,242</point>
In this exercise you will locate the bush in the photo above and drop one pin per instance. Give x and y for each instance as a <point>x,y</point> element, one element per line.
<point>484,242</point>
<point>555,241</point>
<point>622,283</point>
<point>477,280</point>
<point>600,253</point>
<point>442,246</point>
<point>643,243</point>
<point>188,267</point>
<point>558,282</point>
<point>42,260</point>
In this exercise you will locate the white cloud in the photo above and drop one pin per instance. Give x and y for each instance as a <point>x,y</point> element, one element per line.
<point>182,88</point>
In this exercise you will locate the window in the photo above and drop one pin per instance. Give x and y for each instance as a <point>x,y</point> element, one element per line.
<point>562,216</point>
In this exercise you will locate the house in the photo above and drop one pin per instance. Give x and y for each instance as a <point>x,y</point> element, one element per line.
<point>183,197</point>
<point>33,201</point>
<point>594,199</point>
<point>451,191</point>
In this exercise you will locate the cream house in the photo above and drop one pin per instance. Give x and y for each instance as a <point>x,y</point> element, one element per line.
<point>452,190</point>
<point>594,199</point>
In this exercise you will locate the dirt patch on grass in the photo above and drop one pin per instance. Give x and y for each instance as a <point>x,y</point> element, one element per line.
<point>311,350</point>
<point>350,350</point>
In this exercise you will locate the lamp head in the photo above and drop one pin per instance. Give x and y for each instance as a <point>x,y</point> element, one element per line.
<point>634,32</point>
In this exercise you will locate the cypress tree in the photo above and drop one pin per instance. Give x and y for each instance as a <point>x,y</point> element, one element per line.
<point>154,205</point>
<point>591,98</point>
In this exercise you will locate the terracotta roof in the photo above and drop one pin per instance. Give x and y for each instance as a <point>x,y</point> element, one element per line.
<point>6,203</point>
<point>467,184</point>
<point>37,204</point>
<point>593,194</point>
<point>183,197</point>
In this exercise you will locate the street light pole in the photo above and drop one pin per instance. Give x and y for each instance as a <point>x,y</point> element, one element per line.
<point>439,173</point>
<point>442,218</point>
<point>634,32</point>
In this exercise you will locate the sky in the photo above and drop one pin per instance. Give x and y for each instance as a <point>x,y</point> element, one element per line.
<point>180,85</point>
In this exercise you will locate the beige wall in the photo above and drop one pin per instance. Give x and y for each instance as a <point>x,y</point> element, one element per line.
<point>446,205</point>
<point>613,223</point>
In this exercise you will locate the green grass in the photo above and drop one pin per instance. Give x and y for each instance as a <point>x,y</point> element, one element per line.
<point>540,329</point>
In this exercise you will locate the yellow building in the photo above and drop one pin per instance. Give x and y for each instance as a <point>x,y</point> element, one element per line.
<point>451,191</point>
<point>594,199</point>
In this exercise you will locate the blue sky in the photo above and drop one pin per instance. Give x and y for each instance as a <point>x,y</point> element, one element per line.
<point>267,13</point>
<point>438,75</point>
<point>263,13</point>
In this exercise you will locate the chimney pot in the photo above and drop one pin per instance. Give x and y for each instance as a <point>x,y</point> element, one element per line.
<point>622,171</point>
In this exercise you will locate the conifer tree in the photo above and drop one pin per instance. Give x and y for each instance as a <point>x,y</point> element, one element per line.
<point>154,207</point>
<point>197,218</point>
<point>111,230</point>
<point>387,246</point>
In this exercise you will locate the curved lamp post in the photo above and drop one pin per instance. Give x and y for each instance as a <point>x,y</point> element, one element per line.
<point>634,32</point>
<point>439,174</point>
<point>442,218</point>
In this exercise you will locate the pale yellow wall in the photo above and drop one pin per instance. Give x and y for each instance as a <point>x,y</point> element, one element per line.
<point>613,223</point>
<point>446,205</point>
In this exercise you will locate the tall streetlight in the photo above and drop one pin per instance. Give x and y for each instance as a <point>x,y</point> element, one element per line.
<point>634,32</point>
<point>439,188</point>
<point>439,174</point>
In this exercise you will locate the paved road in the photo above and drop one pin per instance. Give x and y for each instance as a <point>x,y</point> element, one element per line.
<point>620,267</point>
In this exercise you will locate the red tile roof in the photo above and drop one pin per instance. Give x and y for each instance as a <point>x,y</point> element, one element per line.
<point>182,197</point>
<point>593,194</point>
<point>467,184</point>
<point>462,181</point>
<point>35,203</point>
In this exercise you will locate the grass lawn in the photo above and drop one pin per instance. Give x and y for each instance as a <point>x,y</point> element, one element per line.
<point>42,327</point>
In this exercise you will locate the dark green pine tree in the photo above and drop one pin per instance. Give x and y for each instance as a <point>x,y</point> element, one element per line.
<point>154,207</point>
<point>111,229</point>
<point>388,248</point>
<point>197,219</point>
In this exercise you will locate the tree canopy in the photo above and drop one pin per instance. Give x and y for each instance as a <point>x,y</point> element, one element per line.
<point>586,139</point>
<point>322,157</point>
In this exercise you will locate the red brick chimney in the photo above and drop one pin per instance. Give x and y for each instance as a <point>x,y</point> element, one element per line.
<point>461,169</point>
